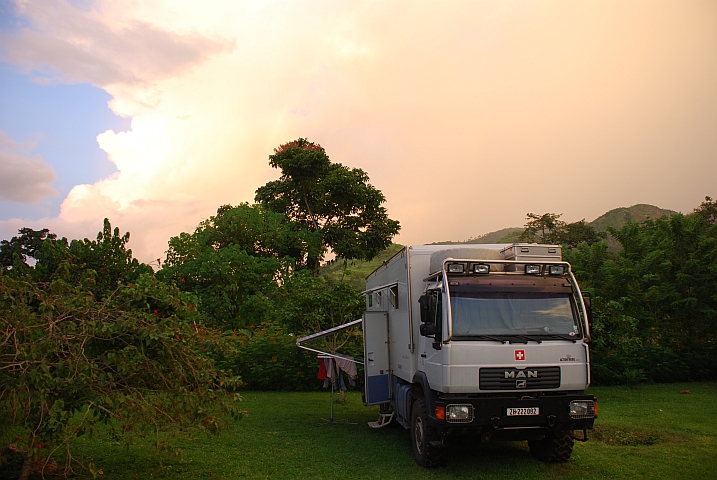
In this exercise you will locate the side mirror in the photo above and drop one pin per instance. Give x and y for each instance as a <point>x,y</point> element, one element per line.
<point>587,298</point>
<point>427,329</point>
<point>424,301</point>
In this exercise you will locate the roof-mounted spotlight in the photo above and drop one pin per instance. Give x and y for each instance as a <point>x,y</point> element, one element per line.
<point>557,269</point>
<point>532,269</point>
<point>456,267</point>
<point>481,268</point>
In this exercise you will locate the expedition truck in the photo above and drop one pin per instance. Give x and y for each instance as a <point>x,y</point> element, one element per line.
<point>482,340</point>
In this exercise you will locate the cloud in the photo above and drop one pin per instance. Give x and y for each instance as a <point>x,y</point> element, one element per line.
<point>23,179</point>
<point>466,114</point>
<point>103,45</point>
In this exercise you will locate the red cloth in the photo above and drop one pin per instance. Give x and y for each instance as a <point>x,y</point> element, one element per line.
<point>322,369</point>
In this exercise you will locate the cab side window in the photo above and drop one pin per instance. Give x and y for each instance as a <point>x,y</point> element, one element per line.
<point>435,312</point>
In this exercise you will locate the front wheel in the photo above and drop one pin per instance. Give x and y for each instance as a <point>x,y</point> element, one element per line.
<point>556,447</point>
<point>423,436</point>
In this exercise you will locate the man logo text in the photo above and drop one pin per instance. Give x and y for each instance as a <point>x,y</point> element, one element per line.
<point>522,374</point>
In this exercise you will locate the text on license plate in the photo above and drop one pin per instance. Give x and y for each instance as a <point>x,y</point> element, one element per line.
<point>515,412</point>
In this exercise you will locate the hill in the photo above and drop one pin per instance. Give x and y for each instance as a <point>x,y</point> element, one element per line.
<point>614,218</point>
<point>618,217</point>
<point>504,235</point>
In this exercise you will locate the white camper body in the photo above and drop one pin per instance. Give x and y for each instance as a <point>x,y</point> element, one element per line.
<point>479,339</point>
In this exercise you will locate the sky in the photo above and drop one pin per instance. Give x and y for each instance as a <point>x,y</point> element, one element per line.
<point>467,115</point>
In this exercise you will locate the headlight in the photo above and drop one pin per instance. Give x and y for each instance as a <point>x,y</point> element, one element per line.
<point>582,409</point>
<point>459,413</point>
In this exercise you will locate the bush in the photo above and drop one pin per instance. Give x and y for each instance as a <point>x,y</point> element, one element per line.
<point>130,361</point>
<point>267,358</point>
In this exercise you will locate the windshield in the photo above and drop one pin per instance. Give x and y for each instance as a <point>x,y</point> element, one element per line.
<point>516,313</point>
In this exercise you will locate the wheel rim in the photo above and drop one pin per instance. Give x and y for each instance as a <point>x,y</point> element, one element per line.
<point>418,434</point>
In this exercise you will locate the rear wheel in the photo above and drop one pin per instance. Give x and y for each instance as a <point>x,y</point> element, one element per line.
<point>423,437</point>
<point>556,447</point>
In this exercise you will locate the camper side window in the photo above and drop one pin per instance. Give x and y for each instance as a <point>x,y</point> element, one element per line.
<point>393,296</point>
<point>369,299</point>
<point>378,298</point>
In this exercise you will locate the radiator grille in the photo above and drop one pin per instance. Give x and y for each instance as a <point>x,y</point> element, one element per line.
<point>524,379</point>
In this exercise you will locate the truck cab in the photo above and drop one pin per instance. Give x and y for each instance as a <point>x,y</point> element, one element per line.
<point>490,342</point>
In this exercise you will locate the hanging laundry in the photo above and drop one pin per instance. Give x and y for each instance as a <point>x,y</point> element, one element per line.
<point>322,370</point>
<point>330,369</point>
<point>330,372</point>
<point>341,384</point>
<point>347,364</point>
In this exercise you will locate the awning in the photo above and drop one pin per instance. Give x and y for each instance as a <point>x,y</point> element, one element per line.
<point>330,331</point>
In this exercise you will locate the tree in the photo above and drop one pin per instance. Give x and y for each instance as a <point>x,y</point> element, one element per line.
<point>654,302</point>
<point>333,206</point>
<point>544,228</point>
<point>25,245</point>
<point>708,211</point>
<point>547,228</point>
<point>573,234</point>
<point>234,262</point>
<point>309,304</point>
<point>241,265</point>
<point>102,264</point>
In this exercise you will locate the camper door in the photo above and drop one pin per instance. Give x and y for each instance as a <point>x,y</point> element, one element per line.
<point>376,357</point>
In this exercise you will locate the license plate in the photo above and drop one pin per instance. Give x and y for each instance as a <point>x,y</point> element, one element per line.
<point>519,412</point>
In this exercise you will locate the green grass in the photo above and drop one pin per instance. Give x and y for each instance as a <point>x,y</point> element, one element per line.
<point>645,432</point>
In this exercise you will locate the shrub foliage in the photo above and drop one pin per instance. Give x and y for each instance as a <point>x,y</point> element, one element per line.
<point>73,356</point>
<point>655,300</point>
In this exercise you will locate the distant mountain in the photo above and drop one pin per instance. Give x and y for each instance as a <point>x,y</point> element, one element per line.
<point>620,216</point>
<point>504,235</point>
<point>614,218</point>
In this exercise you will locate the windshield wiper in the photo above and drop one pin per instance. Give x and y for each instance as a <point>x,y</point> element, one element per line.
<point>507,338</point>
<point>489,337</point>
<point>519,338</point>
<point>560,336</point>
<point>527,338</point>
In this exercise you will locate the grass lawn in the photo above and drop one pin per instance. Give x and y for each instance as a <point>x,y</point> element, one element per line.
<point>644,432</point>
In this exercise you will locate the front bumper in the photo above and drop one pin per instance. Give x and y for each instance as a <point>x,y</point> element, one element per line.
<point>489,415</point>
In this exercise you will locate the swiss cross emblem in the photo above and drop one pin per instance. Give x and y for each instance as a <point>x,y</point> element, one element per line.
<point>520,355</point>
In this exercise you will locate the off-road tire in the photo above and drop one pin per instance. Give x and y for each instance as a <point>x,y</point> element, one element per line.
<point>422,434</point>
<point>556,447</point>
